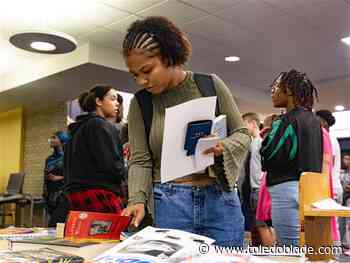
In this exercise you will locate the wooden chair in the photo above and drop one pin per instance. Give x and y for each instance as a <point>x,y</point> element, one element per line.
<point>315,223</point>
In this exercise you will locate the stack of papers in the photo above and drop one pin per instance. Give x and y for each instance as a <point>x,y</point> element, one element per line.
<point>175,162</point>
<point>329,204</point>
<point>155,245</point>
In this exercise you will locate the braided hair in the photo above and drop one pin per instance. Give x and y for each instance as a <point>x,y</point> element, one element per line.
<point>158,36</point>
<point>301,87</point>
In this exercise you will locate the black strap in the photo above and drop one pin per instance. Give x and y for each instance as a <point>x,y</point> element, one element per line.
<point>206,86</point>
<point>144,98</point>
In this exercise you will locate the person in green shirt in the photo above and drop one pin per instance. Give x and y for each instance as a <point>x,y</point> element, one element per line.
<point>155,51</point>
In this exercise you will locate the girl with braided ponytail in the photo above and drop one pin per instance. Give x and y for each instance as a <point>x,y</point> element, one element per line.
<point>155,51</point>
<point>293,146</point>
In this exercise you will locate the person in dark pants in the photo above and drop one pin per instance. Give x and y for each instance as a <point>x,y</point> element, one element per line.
<point>53,171</point>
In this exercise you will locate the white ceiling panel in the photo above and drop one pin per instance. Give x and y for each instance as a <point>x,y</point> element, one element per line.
<point>221,31</point>
<point>132,6</point>
<point>250,14</point>
<point>331,15</point>
<point>295,4</point>
<point>105,37</point>
<point>12,57</point>
<point>176,11</point>
<point>341,49</point>
<point>72,17</point>
<point>210,5</point>
<point>123,24</point>
<point>86,19</point>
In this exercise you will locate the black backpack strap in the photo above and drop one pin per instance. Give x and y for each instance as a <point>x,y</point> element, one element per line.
<point>206,87</point>
<point>144,98</point>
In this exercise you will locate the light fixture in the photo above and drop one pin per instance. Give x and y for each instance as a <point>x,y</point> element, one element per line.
<point>339,108</point>
<point>42,46</point>
<point>45,42</point>
<point>346,40</point>
<point>232,59</point>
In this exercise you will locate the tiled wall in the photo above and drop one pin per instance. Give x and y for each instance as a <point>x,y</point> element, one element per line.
<point>39,124</point>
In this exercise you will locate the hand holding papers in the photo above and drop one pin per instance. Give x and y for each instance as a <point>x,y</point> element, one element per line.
<point>174,161</point>
<point>205,160</point>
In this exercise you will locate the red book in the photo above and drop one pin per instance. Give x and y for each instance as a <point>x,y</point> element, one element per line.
<point>81,224</point>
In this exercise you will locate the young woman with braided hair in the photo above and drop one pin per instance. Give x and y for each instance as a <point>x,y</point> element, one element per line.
<point>155,51</point>
<point>293,146</point>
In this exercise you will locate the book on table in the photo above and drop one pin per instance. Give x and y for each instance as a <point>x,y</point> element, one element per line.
<point>95,225</point>
<point>86,233</point>
<point>150,245</point>
<point>86,248</point>
<point>22,233</point>
<point>42,255</point>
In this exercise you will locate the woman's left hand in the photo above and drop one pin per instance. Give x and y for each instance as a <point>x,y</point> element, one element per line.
<point>217,150</point>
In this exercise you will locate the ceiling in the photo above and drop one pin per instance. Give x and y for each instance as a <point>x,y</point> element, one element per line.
<point>269,36</point>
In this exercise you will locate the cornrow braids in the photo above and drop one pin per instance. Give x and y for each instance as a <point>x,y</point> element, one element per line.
<point>300,86</point>
<point>158,35</point>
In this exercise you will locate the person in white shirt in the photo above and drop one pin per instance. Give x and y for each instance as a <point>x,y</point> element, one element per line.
<point>260,232</point>
<point>327,120</point>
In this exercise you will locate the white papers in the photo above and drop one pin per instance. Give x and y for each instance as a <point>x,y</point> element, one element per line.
<point>154,245</point>
<point>205,160</point>
<point>175,163</point>
<point>219,127</point>
<point>329,204</point>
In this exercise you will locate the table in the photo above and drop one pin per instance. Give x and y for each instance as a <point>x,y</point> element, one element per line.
<point>21,201</point>
<point>15,198</point>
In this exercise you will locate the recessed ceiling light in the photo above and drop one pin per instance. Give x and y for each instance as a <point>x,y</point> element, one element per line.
<point>339,108</point>
<point>232,59</point>
<point>42,46</point>
<point>46,42</point>
<point>346,40</point>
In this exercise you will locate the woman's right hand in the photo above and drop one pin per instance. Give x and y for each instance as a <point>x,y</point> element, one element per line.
<point>137,211</point>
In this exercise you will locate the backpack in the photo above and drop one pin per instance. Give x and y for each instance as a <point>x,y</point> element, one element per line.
<point>205,85</point>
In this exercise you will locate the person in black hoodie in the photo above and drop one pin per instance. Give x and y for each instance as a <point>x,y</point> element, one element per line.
<point>93,160</point>
<point>294,145</point>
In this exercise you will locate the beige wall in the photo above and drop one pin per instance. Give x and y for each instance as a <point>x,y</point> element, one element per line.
<point>39,124</point>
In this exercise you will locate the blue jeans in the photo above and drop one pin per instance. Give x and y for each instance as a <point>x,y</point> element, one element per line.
<point>201,210</point>
<point>285,212</point>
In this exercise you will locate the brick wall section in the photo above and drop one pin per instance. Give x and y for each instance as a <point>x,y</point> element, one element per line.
<point>39,124</point>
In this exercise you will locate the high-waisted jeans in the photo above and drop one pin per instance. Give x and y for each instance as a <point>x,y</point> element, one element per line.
<point>285,212</point>
<point>201,210</point>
